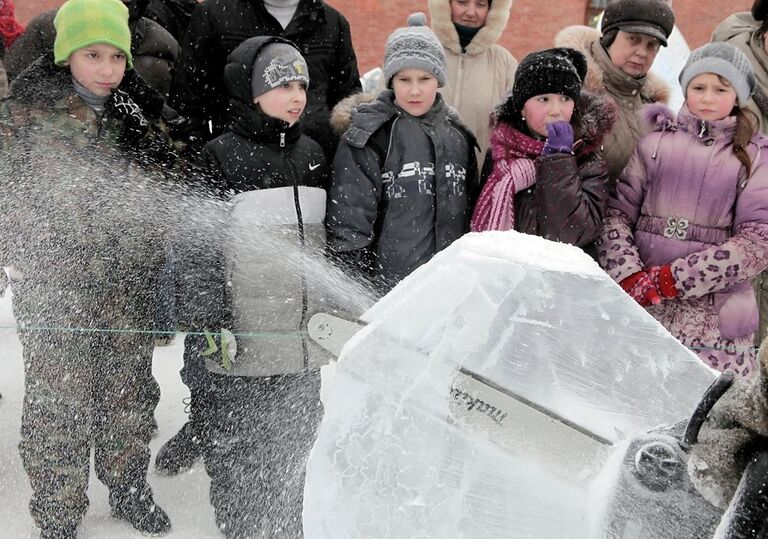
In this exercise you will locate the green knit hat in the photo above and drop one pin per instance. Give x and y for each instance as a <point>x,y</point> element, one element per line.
<point>80,23</point>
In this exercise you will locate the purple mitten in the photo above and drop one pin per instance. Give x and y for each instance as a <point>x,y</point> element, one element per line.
<point>559,138</point>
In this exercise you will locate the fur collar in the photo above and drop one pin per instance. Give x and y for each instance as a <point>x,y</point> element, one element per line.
<point>598,115</point>
<point>498,15</point>
<point>583,38</point>
<point>370,111</point>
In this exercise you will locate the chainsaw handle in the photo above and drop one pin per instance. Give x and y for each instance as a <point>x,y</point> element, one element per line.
<point>707,401</point>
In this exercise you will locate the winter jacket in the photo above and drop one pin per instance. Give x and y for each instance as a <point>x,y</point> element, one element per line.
<point>480,77</point>
<point>741,31</point>
<point>567,201</point>
<point>402,187</point>
<point>80,225</point>
<point>173,15</point>
<point>630,94</point>
<point>154,50</point>
<point>218,26</point>
<point>275,177</point>
<point>685,200</point>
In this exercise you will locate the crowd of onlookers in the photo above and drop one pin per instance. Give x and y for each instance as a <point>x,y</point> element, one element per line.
<point>257,104</point>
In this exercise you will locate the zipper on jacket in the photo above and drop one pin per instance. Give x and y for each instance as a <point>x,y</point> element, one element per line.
<point>300,220</point>
<point>282,143</point>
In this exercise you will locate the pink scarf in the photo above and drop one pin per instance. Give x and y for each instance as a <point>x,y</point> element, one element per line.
<point>514,169</point>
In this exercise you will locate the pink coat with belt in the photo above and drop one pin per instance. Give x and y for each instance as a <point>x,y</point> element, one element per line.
<point>684,199</point>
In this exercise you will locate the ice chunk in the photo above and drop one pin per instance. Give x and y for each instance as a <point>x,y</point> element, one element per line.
<point>483,396</point>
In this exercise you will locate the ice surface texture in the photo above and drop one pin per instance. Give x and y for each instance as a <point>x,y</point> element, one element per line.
<point>398,456</point>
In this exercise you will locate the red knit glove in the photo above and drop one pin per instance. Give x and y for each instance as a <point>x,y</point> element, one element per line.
<point>662,279</point>
<point>640,287</point>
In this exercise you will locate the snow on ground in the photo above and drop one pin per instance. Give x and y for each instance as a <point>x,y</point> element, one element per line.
<point>184,497</point>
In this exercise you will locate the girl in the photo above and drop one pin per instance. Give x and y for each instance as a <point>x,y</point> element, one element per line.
<point>687,227</point>
<point>538,180</point>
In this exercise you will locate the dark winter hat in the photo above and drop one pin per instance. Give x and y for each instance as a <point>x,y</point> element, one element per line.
<point>721,59</point>
<point>414,47</point>
<point>276,64</point>
<point>760,9</point>
<point>551,71</point>
<point>650,17</point>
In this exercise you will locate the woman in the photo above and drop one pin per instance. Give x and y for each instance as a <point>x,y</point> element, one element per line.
<point>480,73</point>
<point>619,61</point>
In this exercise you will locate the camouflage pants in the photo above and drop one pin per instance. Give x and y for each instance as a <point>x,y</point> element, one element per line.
<point>84,390</point>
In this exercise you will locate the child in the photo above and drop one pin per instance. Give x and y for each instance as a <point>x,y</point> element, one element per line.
<point>538,180</point>
<point>256,413</point>
<point>405,171</point>
<point>687,226</point>
<point>69,141</point>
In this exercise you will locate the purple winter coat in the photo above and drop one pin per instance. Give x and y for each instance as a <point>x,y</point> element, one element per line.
<point>684,199</point>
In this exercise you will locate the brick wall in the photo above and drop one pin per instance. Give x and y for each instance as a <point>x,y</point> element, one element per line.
<point>533,23</point>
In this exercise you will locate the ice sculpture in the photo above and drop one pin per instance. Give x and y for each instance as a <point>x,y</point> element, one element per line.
<point>484,394</point>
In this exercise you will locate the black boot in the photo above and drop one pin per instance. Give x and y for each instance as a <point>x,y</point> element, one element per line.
<point>137,506</point>
<point>180,452</point>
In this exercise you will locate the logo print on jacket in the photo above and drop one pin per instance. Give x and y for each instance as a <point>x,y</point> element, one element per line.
<point>413,179</point>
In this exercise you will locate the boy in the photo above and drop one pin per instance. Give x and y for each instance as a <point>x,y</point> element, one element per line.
<point>255,411</point>
<point>405,172</point>
<point>70,141</point>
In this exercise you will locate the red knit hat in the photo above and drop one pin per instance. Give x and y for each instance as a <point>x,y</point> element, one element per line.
<point>10,28</point>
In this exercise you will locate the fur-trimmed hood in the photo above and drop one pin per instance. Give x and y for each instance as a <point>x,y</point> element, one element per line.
<point>358,116</point>
<point>341,115</point>
<point>498,15</point>
<point>736,24</point>
<point>583,38</point>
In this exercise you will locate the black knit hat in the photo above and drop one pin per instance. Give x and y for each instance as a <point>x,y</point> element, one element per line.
<point>650,17</point>
<point>760,9</point>
<point>551,71</point>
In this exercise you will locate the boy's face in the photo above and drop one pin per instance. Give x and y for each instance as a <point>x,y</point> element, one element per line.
<point>99,68</point>
<point>415,91</point>
<point>286,102</point>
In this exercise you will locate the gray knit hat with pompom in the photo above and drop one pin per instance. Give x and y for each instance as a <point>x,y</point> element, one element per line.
<point>414,47</point>
<point>721,59</point>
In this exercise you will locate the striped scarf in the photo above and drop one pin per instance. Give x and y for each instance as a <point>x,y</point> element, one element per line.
<point>514,169</point>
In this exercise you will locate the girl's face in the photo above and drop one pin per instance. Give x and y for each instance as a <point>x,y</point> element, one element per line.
<point>471,13</point>
<point>286,102</point>
<point>99,68</point>
<point>542,109</point>
<point>415,90</point>
<point>710,97</point>
<point>634,53</point>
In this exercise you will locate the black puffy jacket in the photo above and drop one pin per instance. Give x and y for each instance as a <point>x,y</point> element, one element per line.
<point>402,186</point>
<point>217,27</point>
